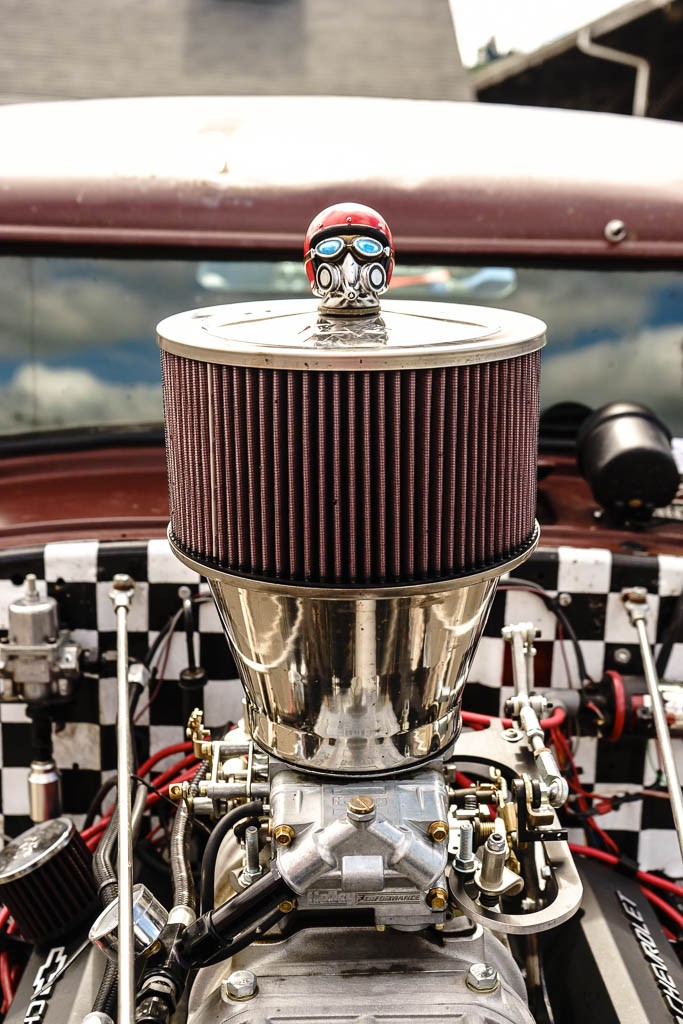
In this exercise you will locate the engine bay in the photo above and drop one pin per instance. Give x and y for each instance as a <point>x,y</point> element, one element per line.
<point>337,748</point>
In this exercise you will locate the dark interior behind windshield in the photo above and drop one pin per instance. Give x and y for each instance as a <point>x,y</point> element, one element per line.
<point>77,334</point>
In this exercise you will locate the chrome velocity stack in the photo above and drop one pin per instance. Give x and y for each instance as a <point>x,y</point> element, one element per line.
<point>352,482</point>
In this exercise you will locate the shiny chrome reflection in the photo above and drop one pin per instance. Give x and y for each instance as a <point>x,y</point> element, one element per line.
<point>357,686</point>
<point>353,681</point>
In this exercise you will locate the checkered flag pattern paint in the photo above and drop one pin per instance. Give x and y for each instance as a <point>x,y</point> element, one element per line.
<point>79,574</point>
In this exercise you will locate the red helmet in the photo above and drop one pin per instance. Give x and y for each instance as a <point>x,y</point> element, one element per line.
<point>348,219</point>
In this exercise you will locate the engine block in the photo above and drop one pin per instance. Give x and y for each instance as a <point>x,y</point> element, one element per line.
<point>354,975</point>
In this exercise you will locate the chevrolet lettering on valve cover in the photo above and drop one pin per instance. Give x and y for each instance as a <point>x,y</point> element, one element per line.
<point>341,634</point>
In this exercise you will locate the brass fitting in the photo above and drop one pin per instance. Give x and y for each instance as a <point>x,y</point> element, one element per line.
<point>437,899</point>
<point>361,808</point>
<point>201,737</point>
<point>283,835</point>
<point>287,906</point>
<point>175,792</point>
<point>438,830</point>
<point>482,830</point>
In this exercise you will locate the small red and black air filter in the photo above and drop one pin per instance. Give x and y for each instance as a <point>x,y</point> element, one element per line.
<point>46,881</point>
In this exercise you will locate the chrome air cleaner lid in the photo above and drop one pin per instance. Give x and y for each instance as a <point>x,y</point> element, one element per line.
<point>294,335</point>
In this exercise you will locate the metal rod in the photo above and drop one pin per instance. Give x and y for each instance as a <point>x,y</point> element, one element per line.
<point>123,588</point>
<point>637,608</point>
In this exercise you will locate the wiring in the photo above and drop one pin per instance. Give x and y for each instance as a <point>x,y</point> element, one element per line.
<point>647,881</point>
<point>159,650</point>
<point>157,676</point>
<point>10,971</point>
<point>552,604</point>
<point>629,868</point>
<point>565,757</point>
<point>92,835</point>
<point>480,721</point>
<point>662,905</point>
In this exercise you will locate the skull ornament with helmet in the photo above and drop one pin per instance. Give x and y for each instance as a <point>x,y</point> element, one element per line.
<point>349,258</point>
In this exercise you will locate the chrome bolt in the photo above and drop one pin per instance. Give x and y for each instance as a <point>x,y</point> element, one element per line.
<point>482,978</point>
<point>464,862</point>
<point>283,835</point>
<point>564,600</point>
<point>615,230</point>
<point>622,656</point>
<point>252,865</point>
<point>493,862</point>
<point>239,985</point>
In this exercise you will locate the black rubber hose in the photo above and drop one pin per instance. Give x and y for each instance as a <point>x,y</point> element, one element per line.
<point>104,870</point>
<point>107,993</point>
<point>208,877</point>
<point>103,863</point>
<point>246,938</point>
<point>104,867</point>
<point>183,882</point>
<point>96,802</point>
<point>243,917</point>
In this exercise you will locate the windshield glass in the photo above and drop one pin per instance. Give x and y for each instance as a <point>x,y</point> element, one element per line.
<point>77,349</point>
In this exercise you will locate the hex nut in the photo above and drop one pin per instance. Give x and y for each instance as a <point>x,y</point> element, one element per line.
<point>437,899</point>
<point>482,977</point>
<point>438,830</point>
<point>283,835</point>
<point>239,985</point>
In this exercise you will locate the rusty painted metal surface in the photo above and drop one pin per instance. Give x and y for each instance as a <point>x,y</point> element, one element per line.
<point>246,173</point>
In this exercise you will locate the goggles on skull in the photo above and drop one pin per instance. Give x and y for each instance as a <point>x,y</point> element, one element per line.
<point>362,246</point>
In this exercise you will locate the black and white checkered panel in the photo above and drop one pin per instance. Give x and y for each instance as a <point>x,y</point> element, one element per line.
<point>592,579</point>
<point>79,575</point>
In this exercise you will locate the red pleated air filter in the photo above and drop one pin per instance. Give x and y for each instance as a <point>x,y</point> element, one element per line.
<point>388,450</point>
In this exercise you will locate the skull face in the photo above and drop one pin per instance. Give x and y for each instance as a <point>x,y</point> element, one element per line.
<point>349,258</point>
